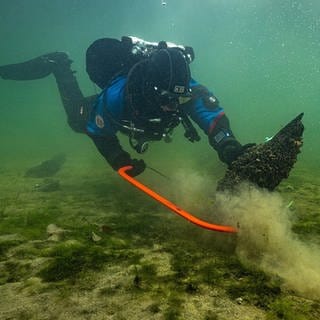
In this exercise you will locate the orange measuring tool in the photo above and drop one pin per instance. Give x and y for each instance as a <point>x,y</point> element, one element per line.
<point>186,215</point>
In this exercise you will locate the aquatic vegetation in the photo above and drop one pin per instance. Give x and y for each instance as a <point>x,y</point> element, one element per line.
<point>30,224</point>
<point>144,274</point>
<point>288,309</point>
<point>255,287</point>
<point>174,307</point>
<point>154,308</point>
<point>307,227</point>
<point>211,315</point>
<point>5,245</point>
<point>24,315</point>
<point>148,271</point>
<point>165,266</point>
<point>14,271</point>
<point>108,291</point>
<point>3,205</point>
<point>70,259</point>
<point>182,261</point>
<point>211,273</point>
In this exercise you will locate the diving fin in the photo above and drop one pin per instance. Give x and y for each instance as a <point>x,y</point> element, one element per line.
<point>36,68</point>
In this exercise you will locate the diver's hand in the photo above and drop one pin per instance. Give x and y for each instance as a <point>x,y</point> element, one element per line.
<point>247,146</point>
<point>232,150</point>
<point>138,166</point>
<point>123,159</point>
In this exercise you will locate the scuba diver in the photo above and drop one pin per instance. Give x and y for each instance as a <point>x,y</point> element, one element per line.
<point>147,91</point>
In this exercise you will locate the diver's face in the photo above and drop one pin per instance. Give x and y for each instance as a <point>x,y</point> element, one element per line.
<point>174,103</point>
<point>168,102</point>
<point>169,107</point>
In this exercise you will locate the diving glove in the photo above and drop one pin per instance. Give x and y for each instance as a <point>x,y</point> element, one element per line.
<point>123,159</point>
<point>231,150</point>
<point>117,158</point>
<point>224,142</point>
<point>138,166</point>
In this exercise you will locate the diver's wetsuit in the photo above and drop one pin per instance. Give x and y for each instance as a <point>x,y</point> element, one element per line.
<point>58,63</point>
<point>100,116</point>
<point>111,108</point>
<point>77,107</point>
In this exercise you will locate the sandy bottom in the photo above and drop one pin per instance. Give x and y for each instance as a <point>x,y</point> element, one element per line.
<point>96,248</point>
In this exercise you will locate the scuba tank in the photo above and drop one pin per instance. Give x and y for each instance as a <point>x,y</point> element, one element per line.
<point>144,48</point>
<point>107,58</point>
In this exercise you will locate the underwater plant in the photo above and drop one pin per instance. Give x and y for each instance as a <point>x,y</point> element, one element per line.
<point>70,259</point>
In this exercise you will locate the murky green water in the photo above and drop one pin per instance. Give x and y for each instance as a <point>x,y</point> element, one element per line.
<point>260,58</point>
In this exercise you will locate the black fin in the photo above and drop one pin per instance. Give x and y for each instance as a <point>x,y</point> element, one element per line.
<point>36,68</point>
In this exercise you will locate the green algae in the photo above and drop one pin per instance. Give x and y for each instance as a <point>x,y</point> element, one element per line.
<point>174,307</point>
<point>288,309</point>
<point>14,271</point>
<point>71,259</point>
<point>255,287</point>
<point>251,285</point>
<point>30,224</point>
<point>198,262</point>
<point>6,245</point>
<point>147,271</point>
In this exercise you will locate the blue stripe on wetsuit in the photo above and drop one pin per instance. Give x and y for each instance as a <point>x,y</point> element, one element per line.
<point>202,115</point>
<point>110,101</point>
<point>112,98</point>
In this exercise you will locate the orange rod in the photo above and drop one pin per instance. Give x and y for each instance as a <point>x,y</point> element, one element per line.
<point>172,206</point>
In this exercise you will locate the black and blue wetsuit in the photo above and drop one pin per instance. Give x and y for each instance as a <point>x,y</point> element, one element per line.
<point>102,116</point>
<point>111,108</point>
